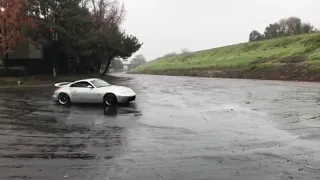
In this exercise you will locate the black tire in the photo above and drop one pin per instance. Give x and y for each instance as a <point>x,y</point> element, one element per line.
<point>63,99</point>
<point>110,99</point>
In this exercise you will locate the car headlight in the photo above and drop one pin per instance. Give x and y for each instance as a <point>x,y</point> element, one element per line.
<point>127,93</point>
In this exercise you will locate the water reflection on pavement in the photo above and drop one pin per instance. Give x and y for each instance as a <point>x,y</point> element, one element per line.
<point>178,128</point>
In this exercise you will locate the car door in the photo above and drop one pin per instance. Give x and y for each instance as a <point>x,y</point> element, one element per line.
<point>92,95</point>
<point>84,92</point>
<point>79,91</point>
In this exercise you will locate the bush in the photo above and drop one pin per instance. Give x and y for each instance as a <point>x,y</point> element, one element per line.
<point>312,44</point>
<point>15,71</point>
<point>250,47</point>
<point>315,55</point>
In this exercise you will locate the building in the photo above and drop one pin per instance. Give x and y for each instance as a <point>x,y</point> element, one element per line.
<point>38,60</point>
<point>126,66</point>
<point>26,51</point>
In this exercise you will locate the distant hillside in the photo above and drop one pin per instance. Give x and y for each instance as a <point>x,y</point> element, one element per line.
<point>287,58</point>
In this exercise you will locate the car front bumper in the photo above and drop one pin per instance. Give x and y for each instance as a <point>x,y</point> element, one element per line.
<point>126,99</point>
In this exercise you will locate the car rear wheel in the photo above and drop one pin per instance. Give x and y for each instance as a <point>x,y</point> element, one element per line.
<point>63,99</point>
<point>110,99</point>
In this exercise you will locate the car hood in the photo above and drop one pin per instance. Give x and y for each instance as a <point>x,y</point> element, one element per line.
<point>117,89</point>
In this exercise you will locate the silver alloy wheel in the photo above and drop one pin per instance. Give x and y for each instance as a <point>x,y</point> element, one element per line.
<point>110,99</point>
<point>63,99</point>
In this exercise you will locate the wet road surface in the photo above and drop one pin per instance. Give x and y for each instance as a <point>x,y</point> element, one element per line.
<point>178,128</point>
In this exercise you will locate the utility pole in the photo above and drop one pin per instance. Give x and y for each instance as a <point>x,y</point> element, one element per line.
<point>54,42</point>
<point>4,38</point>
<point>6,56</point>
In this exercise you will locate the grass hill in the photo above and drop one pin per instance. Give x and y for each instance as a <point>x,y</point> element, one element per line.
<point>287,58</point>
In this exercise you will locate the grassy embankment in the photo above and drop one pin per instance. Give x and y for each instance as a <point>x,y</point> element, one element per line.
<point>288,58</point>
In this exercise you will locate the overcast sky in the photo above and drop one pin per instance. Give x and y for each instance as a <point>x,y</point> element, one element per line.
<point>169,25</point>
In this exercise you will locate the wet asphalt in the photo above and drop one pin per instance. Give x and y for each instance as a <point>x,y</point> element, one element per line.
<point>179,128</point>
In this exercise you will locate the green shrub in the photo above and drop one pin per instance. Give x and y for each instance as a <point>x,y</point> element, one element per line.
<point>286,41</point>
<point>15,71</point>
<point>250,46</point>
<point>312,44</point>
<point>315,55</point>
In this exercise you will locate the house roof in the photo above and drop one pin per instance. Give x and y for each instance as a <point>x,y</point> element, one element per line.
<point>126,63</point>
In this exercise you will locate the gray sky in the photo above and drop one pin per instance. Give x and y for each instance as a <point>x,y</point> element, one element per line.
<point>169,25</point>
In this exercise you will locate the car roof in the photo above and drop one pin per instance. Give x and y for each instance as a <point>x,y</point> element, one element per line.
<point>89,79</point>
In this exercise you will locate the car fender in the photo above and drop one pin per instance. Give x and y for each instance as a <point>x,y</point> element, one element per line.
<point>66,91</point>
<point>61,84</point>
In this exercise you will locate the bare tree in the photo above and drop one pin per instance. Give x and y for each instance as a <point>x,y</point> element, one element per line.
<point>294,25</point>
<point>138,60</point>
<point>255,36</point>
<point>170,54</point>
<point>108,16</point>
<point>307,28</point>
<point>84,3</point>
<point>185,51</point>
<point>107,12</point>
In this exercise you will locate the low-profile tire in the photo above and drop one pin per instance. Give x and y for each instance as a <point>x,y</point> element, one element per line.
<point>63,99</point>
<point>110,99</point>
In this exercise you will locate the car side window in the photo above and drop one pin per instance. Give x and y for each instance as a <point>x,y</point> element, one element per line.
<point>80,85</point>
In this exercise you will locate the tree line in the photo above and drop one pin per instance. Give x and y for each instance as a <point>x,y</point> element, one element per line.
<point>184,51</point>
<point>136,61</point>
<point>87,31</point>
<point>284,27</point>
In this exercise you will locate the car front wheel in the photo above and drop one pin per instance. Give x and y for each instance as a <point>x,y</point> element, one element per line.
<point>110,99</point>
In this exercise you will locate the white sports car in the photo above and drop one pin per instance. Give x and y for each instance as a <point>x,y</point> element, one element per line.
<point>92,91</point>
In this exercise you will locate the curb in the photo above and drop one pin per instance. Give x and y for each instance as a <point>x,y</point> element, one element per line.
<point>26,86</point>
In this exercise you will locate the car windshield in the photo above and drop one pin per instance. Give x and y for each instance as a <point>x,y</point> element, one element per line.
<point>100,83</point>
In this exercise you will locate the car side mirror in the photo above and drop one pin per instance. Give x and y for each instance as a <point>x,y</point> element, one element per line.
<point>89,86</point>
